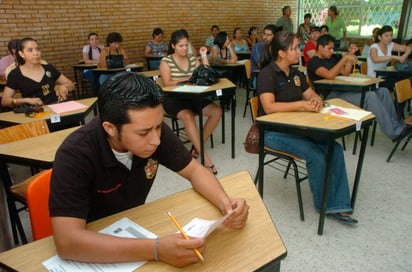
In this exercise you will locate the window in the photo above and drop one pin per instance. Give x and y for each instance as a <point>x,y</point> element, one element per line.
<point>361,16</point>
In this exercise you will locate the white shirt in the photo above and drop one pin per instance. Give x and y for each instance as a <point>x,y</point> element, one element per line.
<point>372,66</point>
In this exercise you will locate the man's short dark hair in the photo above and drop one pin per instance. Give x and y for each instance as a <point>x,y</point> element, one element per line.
<point>126,91</point>
<point>284,9</point>
<point>324,40</point>
<point>272,28</point>
<point>213,27</point>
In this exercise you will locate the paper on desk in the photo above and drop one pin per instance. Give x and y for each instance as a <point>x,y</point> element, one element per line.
<point>353,79</point>
<point>190,88</point>
<point>122,228</point>
<point>66,106</point>
<point>345,112</point>
<point>202,228</point>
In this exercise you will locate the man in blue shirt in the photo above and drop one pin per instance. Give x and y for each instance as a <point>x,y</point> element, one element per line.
<point>268,34</point>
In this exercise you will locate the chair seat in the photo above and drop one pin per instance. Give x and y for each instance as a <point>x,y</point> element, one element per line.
<point>20,188</point>
<point>268,149</point>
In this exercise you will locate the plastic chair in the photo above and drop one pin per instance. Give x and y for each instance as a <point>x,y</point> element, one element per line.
<point>403,91</point>
<point>249,86</point>
<point>16,193</point>
<point>282,161</point>
<point>37,196</point>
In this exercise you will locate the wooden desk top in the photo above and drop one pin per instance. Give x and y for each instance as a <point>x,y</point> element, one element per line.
<point>150,73</point>
<point>132,66</point>
<point>313,119</point>
<point>367,82</point>
<point>257,244</point>
<point>41,148</point>
<point>223,83</point>
<point>20,118</point>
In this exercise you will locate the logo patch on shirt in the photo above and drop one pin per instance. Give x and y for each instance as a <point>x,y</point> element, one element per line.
<point>151,168</point>
<point>45,89</point>
<point>296,80</point>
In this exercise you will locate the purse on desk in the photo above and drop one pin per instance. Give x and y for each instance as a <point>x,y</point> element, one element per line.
<point>204,76</point>
<point>114,61</point>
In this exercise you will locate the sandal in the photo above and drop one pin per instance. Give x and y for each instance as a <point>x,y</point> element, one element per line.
<point>194,153</point>
<point>212,169</point>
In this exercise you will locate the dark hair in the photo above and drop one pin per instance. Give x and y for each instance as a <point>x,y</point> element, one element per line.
<point>12,44</point>
<point>20,46</point>
<point>334,9</point>
<point>283,40</point>
<point>157,31</point>
<point>234,31</point>
<point>113,37</point>
<point>284,9</point>
<point>214,26</point>
<point>175,38</point>
<point>220,39</point>
<point>314,28</point>
<point>324,27</point>
<point>272,28</point>
<point>383,30</point>
<point>252,28</point>
<point>126,91</point>
<point>92,34</point>
<point>325,40</point>
<point>307,15</point>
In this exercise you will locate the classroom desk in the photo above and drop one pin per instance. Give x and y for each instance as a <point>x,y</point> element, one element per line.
<point>151,58</point>
<point>78,70</point>
<point>368,84</point>
<point>256,247</point>
<point>223,88</point>
<point>136,67</point>
<point>152,73</point>
<point>11,118</point>
<point>37,152</point>
<point>243,55</point>
<point>391,75</point>
<point>316,126</point>
<point>236,72</point>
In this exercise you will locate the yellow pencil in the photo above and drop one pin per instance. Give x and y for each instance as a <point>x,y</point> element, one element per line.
<point>353,72</point>
<point>338,117</point>
<point>184,235</point>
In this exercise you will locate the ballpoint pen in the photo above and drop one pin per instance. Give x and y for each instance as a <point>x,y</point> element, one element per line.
<point>198,254</point>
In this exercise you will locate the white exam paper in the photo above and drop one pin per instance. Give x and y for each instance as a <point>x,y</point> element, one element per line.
<point>122,228</point>
<point>202,228</point>
<point>190,88</point>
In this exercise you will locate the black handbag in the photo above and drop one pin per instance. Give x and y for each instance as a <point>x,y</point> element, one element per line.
<point>114,61</point>
<point>204,76</point>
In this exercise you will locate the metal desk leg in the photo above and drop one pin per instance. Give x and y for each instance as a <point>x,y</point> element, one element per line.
<point>261,158</point>
<point>202,146</point>
<point>359,166</point>
<point>233,108</point>
<point>328,170</point>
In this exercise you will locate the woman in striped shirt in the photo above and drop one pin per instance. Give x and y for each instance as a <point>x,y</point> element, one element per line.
<point>175,69</point>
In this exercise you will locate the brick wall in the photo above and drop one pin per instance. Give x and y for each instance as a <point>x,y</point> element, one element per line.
<point>61,27</point>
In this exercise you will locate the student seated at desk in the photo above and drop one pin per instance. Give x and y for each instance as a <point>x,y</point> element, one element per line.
<point>380,53</point>
<point>238,43</point>
<point>282,88</point>
<point>378,101</point>
<point>7,60</point>
<point>109,165</point>
<point>156,47</point>
<point>113,47</point>
<point>176,68</point>
<point>221,51</point>
<point>36,81</point>
<point>91,55</point>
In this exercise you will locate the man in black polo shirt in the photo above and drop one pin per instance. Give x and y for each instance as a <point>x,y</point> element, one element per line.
<point>109,165</point>
<point>378,101</point>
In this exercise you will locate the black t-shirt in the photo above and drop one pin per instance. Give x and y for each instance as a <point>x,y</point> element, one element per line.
<point>31,88</point>
<point>89,182</point>
<point>314,64</point>
<point>285,88</point>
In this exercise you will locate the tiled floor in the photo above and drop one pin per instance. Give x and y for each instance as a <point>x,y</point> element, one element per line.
<point>380,242</point>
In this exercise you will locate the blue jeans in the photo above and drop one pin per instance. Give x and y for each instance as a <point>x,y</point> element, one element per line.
<point>314,152</point>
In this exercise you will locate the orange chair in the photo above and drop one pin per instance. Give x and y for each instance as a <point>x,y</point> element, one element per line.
<point>37,196</point>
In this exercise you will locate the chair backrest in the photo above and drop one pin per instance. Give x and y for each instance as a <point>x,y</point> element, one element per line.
<point>37,196</point>
<point>23,131</point>
<point>403,90</point>
<point>364,67</point>
<point>248,68</point>
<point>254,104</point>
